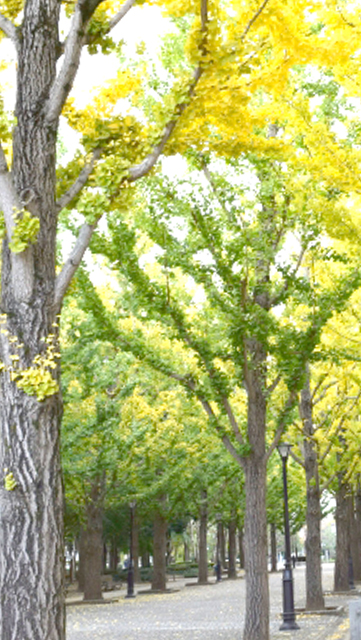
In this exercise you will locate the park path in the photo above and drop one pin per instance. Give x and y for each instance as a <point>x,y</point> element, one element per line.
<point>214,612</point>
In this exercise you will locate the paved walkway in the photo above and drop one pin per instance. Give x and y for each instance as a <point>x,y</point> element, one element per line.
<point>214,612</point>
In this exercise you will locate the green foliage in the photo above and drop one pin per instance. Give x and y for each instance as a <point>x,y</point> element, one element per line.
<point>9,481</point>
<point>24,232</point>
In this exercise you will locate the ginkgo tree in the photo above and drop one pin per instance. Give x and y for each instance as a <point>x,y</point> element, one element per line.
<point>225,287</point>
<point>233,49</point>
<point>128,434</point>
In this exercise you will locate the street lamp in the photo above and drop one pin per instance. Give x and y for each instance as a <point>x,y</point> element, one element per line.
<point>289,617</point>
<point>130,576</point>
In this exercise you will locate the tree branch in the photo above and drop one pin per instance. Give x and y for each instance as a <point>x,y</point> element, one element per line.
<point>121,13</point>
<point>225,439</point>
<point>140,170</point>
<point>9,29</point>
<point>215,191</point>
<point>277,299</point>
<point>58,95</point>
<point>211,415</point>
<point>253,20</point>
<point>270,389</point>
<point>148,163</point>
<point>340,427</point>
<point>79,182</point>
<point>291,401</point>
<point>22,264</point>
<point>72,52</point>
<point>233,421</point>
<point>72,263</point>
<point>297,459</point>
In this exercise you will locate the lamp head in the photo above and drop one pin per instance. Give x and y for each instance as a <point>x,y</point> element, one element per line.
<point>284,449</point>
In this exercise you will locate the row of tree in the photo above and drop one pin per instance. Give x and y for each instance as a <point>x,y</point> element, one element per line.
<point>258,100</point>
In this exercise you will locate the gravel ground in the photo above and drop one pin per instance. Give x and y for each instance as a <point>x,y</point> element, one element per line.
<point>200,613</point>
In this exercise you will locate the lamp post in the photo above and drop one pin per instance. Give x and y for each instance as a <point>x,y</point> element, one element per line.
<point>289,617</point>
<point>130,576</point>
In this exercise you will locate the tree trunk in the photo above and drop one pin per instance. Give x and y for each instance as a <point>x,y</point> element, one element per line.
<point>314,595</point>
<point>241,548</point>
<point>257,595</point>
<point>342,539</point>
<point>203,556</point>
<point>232,570</point>
<point>105,558</point>
<point>135,551</point>
<point>81,579</point>
<point>160,527</point>
<point>93,544</point>
<point>31,514</point>
<point>221,545</point>
<point>114,556</point>
<point>145,560</point>
<point>186,552</point>
<point>273,548</point>
<point>356,556</point>
<point>255,470</point>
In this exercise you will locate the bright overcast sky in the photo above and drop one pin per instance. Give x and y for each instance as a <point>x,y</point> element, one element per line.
<point>142,23</point>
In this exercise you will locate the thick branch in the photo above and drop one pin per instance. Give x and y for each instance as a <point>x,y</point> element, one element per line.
<point>72,52</point>
<point>233,421</point>
<point>121,13</point>
<point>22,264</point>
<point>8,198</point>
<point>226,441</point>
<point>79,182</point>
<point>9,29</point>
<point>282,421</point>
<point>72,263</point>
<point>298,459</point>
<point>58,95</point>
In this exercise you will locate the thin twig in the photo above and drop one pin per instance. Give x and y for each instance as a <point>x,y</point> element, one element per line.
<point>253,20</point>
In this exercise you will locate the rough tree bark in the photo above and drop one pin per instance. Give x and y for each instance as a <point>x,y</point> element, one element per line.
<point>135,550</point>
<point>221,544</point>
<point>241,548</point>
<point>93,542</point>
<point>257,595</point>
<point>31,494</point>
<point>273,547</point>
<point>342,538</point>
<point>314,595</point>
<point>80,574</point>
<point>114,555</point>
<point>31,527</point>
<point>160,527</point>
<point>232,549</point>
<point>203,556</point>
<point>356,556</point>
